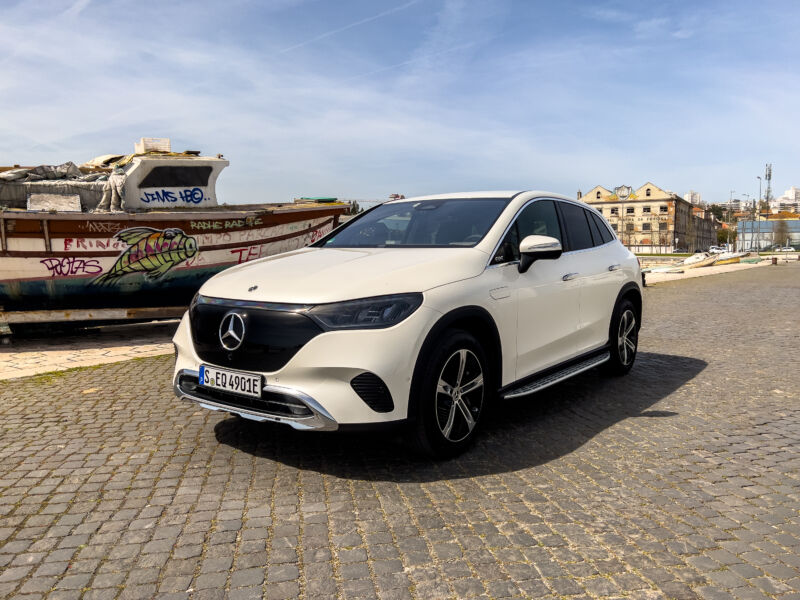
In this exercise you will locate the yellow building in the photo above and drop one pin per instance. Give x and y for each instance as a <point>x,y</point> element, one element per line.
<point>652,220</point>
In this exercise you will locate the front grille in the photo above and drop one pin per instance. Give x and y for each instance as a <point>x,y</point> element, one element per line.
<point>271,338</point>
<point>371,389</point>
<point>270,403</point>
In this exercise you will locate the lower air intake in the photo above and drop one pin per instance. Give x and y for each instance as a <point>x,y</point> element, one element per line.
<point>371,389</point>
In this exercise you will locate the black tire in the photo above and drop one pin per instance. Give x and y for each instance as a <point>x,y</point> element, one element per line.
<point>623,338</point>
<point>440,427</point>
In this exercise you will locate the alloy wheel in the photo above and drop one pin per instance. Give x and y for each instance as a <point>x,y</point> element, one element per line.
<point>627,337</point>
<point>459,395</point>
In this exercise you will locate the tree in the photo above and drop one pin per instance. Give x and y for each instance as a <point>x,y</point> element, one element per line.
<point>717,210</point>
<point>780,233</point>
<point>722,236</point>
<point>763,205</point>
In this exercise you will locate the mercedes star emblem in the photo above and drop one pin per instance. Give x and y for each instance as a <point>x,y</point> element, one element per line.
<point>231,331</point>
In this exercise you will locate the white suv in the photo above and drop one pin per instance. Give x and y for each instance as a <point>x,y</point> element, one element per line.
<point>421,311</point>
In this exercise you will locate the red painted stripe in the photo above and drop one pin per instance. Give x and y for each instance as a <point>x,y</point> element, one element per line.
<point>243,244</point>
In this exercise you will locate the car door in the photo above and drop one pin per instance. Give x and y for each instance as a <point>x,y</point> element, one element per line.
<point>605,278</point>
<point>547,304</point>
<point>596,272</point>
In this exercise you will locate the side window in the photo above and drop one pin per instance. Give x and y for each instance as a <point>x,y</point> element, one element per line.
<point>605,234</point>
<point>538,218</point>
<point>577,227</point>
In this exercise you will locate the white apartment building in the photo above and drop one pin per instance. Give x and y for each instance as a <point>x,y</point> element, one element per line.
<point>789,202</point>
<point>735,205</point>
<point>693,197</point>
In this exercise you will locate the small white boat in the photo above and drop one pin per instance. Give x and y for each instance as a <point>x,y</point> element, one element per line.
<point>695,258</point>
<point>668,269</point>
<point>701,259</point>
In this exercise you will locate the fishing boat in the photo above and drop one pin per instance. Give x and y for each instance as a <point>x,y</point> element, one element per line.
<point>132,236</point>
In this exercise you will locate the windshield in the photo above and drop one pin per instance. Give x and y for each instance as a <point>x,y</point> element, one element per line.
<point>457,222</point>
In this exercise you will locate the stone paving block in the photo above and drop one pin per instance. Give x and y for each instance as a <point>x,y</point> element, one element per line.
<point>677,481</point>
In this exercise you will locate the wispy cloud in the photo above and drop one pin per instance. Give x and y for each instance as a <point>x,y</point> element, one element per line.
<point>77,8</point>
<point>468,95</point>
<point>352,25</point>
<point>609,14</point>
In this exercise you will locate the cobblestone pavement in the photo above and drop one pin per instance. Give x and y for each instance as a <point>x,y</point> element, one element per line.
<point>681,480</point>
<point>45,352</point>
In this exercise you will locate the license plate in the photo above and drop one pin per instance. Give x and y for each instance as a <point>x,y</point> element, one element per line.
<point>231,381</point>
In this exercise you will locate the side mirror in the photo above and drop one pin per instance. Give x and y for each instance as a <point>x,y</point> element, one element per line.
<point>537,247</point>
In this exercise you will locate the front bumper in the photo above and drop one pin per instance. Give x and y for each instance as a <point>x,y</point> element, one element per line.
<point>317,420</point>
<point>319,377</point>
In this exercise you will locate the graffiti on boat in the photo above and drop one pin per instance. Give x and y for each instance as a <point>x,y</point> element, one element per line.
<point>69,266</point>
<point>152,252</point>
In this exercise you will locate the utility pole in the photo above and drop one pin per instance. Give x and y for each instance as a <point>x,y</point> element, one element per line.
<point>729,218</point>
<point>758,212</point>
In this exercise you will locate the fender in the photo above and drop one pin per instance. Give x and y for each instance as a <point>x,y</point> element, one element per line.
<point>627,288</point>
<point>465,315</point>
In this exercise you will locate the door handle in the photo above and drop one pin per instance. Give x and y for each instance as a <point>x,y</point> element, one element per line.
<point>614,267</point>
<point>569,276</point>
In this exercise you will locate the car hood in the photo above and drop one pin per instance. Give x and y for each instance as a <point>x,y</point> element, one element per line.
<point>319,275</point>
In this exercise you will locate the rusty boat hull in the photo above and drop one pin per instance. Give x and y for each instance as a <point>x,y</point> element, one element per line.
<point>64,261</point>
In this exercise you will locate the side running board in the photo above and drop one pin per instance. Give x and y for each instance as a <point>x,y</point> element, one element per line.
<point>551,379</point>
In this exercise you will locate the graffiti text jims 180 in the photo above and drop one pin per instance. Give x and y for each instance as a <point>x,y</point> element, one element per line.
<point>188,196</point>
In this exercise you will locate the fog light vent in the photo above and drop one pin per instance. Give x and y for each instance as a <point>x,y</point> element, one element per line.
<point>373,392</point>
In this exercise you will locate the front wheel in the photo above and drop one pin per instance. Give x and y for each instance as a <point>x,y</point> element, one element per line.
<point>451,395</point>
<point>624,338</point>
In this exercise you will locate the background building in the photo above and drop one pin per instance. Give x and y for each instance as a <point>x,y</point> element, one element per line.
<point>734,205</point>
<point>653,220</point>
<point>693,197</point>
<point>789,202</point>
<point>769,230</point>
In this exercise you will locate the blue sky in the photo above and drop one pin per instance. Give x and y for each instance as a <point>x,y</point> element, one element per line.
<point>360,99</point>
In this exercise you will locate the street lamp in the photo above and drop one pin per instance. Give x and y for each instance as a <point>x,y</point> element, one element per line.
<point>759,187</point>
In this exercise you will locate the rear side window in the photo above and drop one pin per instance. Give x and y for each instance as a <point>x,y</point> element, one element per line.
<point>579,236</point>
<point>601,228</point>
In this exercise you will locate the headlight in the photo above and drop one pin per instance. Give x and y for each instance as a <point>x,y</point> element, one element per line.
<point>367,313</point>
